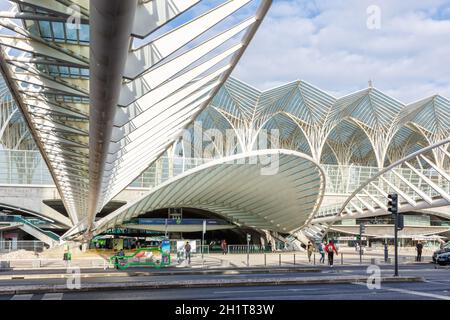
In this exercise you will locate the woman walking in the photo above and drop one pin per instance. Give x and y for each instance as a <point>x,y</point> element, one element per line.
<point>331,249</point>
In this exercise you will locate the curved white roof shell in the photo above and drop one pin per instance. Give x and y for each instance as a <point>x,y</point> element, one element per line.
<point>241,189</point>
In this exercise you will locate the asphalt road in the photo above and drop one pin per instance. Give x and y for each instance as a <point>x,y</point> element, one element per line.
<point>437,286</point>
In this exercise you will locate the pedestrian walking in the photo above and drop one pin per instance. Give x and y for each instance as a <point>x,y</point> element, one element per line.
<point>224,247</point>
<point>67,257</point>
<point>419,247</point>
<point>322,246</point>
<point>310,250</point>
<point>187,250</point>
<point>331,249</point>
<point>270,246</point>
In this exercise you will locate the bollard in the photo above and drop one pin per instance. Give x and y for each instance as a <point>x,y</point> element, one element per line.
<point>314,259</point>
<point>265,262</point>
<point>36,263</point>
<point>342,258</point>
<point>294,259</point>
<point>279,259</point>
<point>386,253</point>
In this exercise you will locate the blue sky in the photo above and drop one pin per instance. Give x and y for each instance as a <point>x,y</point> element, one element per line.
<point>327,43</point>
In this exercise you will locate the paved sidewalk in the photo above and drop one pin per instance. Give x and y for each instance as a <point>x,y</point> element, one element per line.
<point>196,283</point>
<point>347,257</point>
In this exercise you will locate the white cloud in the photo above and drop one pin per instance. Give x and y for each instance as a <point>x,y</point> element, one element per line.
<point>327,43</point>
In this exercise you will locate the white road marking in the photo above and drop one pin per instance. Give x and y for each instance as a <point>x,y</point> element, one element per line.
<point>418,293</point>
<point>22,297</point>
<point>440,282</point>
<point>263,290</point>
<point>412,292</point>
<point>52,296</point>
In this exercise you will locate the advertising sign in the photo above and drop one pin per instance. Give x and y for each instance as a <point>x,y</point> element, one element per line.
<point>117,244</point>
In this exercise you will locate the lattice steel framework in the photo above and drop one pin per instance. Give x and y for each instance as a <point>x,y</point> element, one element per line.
<point>367,127</point>
<point>107,85</point>
<point>14,133</point>
<point>416,189</point>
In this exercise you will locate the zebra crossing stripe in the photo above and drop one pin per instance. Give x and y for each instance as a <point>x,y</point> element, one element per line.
<point>52,296</point>
<point>22,297</point>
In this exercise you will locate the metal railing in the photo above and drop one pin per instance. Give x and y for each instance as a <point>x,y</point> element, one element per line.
<point>7,246</point>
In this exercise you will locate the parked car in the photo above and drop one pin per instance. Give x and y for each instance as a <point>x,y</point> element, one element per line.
<point>445,249</point>
<point>443,258</point>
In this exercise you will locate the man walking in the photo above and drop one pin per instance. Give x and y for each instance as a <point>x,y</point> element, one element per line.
<point>330,249</point>
<point>187,250</point>
<point>310,250</point>
<point>419,247</point>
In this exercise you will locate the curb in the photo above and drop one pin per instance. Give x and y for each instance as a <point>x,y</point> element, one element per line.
<point>157,273</point>
<point>33,289</point>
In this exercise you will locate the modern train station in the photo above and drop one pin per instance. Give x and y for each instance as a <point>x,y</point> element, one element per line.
<point>157,138</point>
<point>128,141</point>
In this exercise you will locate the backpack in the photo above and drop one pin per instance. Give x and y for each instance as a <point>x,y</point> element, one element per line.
<point>330,248</point>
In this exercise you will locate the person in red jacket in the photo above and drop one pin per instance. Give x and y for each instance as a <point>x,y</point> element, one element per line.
<point>330,249</point>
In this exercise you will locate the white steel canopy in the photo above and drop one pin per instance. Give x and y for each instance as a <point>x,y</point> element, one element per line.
<point>107,85</point>
<point>236,188</point>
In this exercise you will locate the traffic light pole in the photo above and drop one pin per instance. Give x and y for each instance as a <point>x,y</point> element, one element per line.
<point>396,244</point>
<point>393,209</point>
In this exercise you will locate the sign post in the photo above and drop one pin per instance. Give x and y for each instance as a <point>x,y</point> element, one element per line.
<point>165,228</point>
<point>203,236</point>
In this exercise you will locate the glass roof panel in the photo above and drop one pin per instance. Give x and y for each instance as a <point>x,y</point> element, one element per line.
<point>45,29</point>
<point>84,33</point>
<point>72,34</point>
<point>58,30</point>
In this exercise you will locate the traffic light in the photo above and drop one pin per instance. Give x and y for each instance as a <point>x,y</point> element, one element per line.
<point>393,203</point>
<point>362,228</point>
<point>400,222</point>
